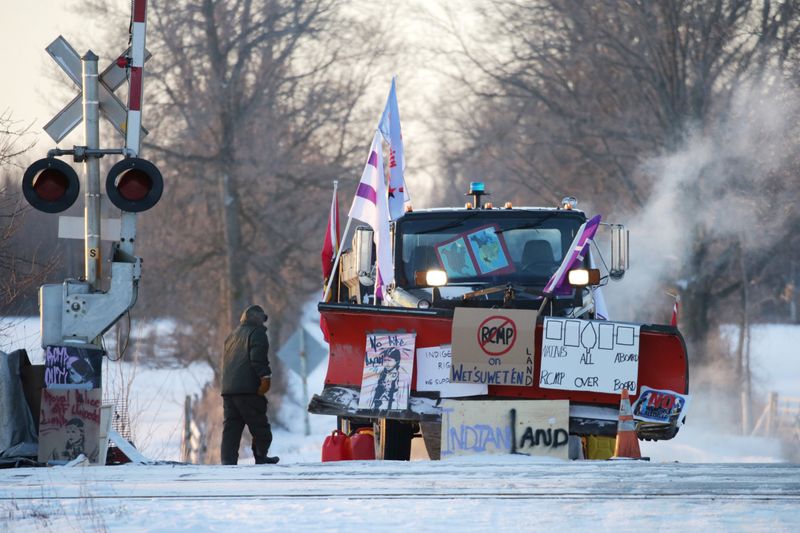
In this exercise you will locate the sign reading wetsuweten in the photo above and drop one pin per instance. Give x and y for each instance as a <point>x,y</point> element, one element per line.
<point>493,346</point>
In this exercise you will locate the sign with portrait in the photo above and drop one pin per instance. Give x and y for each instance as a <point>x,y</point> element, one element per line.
<point>69,425</point>
<point>72,367</point>
<point>388,365</point>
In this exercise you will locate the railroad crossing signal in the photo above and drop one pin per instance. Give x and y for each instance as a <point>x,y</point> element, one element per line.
<point>110,79</point>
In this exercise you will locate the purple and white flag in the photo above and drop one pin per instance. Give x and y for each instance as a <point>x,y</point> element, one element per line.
<point>389,127</point>
<point>575,254</point>
<point>370,206</point>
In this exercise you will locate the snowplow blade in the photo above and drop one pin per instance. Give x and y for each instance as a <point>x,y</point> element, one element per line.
<point>663,364</point>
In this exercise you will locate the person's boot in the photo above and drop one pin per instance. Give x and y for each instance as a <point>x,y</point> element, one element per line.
<point>266,460</point>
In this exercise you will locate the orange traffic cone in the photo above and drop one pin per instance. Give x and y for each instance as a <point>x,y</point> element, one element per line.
<point>627,445</point>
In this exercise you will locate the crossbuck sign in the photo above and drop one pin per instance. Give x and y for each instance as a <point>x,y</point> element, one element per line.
<point>110,79</point>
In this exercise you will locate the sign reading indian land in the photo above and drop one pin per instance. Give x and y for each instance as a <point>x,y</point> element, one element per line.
<point>537,428</point>
<point>493,346</point>
<point>589,355</point>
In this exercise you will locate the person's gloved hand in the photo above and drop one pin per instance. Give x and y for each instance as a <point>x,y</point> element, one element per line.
<point>263,388</point>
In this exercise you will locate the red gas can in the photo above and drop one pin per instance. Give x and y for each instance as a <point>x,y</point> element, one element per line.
<point>362,441</point>
<point>336,447</point>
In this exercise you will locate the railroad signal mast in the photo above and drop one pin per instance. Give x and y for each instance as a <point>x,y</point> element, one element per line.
<point>77,312</point>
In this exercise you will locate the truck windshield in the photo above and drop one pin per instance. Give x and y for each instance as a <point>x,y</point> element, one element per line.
<point>482,247</point>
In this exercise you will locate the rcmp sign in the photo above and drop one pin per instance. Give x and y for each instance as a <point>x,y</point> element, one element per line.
<point>493,346</point>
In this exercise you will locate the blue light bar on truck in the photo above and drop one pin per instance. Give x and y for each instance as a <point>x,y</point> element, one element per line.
<point>477,187</point>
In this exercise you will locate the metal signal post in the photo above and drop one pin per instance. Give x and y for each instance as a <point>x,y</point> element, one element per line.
<point>77,312</point>
<point>91,133</point>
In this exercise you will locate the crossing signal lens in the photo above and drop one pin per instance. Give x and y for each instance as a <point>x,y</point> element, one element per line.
<point>50,185</point>
<point>134,185</point>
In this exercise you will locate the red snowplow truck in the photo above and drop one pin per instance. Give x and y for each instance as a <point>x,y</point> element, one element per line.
<point>488,264</point>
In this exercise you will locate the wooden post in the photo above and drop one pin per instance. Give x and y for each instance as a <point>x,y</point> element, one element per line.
<point>772,414</point>
<point>186,445</point>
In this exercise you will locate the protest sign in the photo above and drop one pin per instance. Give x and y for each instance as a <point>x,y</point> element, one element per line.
<point>589,355</point>
<point>388,363</point>
<point>69,425</point>
<point>433,374</point>
<point>72,367</point>
<point>493,346</point>
<point>532,427</point>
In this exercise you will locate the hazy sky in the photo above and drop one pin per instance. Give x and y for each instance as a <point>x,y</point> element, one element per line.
<point>26,28</point>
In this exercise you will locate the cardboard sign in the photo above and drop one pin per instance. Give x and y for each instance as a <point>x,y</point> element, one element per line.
<point>589,355</point>
<point>433,374</point>
<point>493,346</point>
<point>388,363</point>
<point>69,425</point>
<point>72,367</point>
<point>540,428</point>
<point>660,406</point>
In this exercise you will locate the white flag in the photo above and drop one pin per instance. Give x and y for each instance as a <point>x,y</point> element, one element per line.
<point>370,206</point>
<point>389,127</point>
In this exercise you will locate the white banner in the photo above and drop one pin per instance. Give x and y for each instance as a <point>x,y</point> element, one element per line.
<point>589,355</point>
<point>433,374</point>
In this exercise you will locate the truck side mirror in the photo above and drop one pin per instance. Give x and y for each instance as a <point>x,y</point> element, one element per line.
<point>362,247</point>
<point>619,252</point>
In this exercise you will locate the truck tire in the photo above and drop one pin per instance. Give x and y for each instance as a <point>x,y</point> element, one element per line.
<point>394,439</point>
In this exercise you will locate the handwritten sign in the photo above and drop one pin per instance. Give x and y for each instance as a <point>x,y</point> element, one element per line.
<point>493,346</point>
<point>589,355</point>
<point>69,424</point>
<point>72,367</point>
<point>532,427</point>
<point>660,406</point>
<point>388,363</point>
<point>433,374</point>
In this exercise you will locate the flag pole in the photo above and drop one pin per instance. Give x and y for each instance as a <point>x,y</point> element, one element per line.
<point>335,264</point>
<point>338,251</point>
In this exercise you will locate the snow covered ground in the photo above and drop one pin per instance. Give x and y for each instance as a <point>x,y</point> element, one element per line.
<point>509,493</point>
<point>699,479</point>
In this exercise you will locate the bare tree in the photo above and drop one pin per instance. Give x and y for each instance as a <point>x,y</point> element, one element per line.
<point>254,107</point>
<point>256,101</point>
<point>22,268</point>
<point>585,95</point>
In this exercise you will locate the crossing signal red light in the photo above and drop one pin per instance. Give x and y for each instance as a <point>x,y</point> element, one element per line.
<point>134,185</point>
<point>50,185</point>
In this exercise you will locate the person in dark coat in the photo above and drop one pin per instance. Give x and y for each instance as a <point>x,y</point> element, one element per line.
<point>245,381</point>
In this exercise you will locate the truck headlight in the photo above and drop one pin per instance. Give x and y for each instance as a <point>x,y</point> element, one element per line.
<point>581,277</point>
<point>436,278</point>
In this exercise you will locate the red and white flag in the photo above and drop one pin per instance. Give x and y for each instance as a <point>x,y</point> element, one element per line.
<point>370,206</point>
<point>389,127</point>
<point>675,307</point>
<point>331,245</point>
